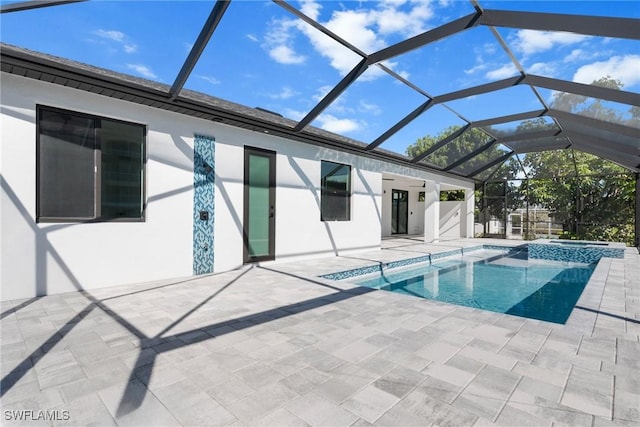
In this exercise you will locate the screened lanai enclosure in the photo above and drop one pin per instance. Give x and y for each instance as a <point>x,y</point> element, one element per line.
<point>537,102</point>
<point>597,204</point>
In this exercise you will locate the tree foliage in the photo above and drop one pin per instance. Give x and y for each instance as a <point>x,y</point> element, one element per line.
<point>468,142</point>
<point>456,149</point>
<point>596,204</point>
<point>597,108</point>
<point>593,198</point>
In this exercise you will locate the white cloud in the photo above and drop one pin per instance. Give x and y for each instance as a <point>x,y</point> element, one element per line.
<point>476,68</point>
<point>575,55</point>
<point>279,42</point>
<point>507,70</point>
<point>365,28</point>
<point>532,41</point>
<point>340,126</point>
<point>252,37</point>
<point>340,58</point>
<point>404,74</point>
<point>118,37</point>
<point>285,93</point>
<point>487,50</point>
<point>390,20</point>
<point>582,55</point>
<point>311,8</point>
<point>292,114</point>
<point>321,92</point>
<point>396,3</point>
<point>365,107</point>
<point>623,68</point>
<point>210,79</point>
<point>285,55</point>
<point>542,68</point>
<point>142,70</point>
<point>352,26</point>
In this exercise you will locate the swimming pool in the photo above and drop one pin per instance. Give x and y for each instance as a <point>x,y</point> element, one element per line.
<point>499,281</point>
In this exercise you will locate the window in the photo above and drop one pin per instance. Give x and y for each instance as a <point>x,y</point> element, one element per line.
<point>336,192</point>
<point>89,168</point>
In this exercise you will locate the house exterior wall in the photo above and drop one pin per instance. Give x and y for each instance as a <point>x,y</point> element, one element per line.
<point>299,231</point>
<point>415,223</point>
<point>452,220</point>
<point>48,258</point>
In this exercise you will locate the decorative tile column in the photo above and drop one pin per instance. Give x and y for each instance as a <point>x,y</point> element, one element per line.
<point>203,203</point>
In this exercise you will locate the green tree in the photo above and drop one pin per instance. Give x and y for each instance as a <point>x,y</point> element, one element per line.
<point>456,149</point>
<point>592,197</point>
<point>595,204</point>
<point>597,108</point>
<point>493,206</point>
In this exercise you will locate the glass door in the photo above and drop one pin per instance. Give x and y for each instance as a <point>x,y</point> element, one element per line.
<point>399,211</point>
<point>259,204</point>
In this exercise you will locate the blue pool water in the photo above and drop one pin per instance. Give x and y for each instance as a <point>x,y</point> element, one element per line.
<point>500,282</point>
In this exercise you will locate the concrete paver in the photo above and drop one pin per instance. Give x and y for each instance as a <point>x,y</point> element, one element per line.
<point>277,345</point>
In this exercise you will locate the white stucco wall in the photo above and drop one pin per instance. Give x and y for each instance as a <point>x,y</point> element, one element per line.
<point>48,258</point>
<point>451,220</point>
<point>299,231</point>
<point>415,224</point>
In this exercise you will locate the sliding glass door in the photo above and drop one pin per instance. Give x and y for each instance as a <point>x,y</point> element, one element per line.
<point>399,211</point>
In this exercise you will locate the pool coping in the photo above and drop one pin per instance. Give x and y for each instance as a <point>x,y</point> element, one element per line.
<point>583,316</point>
<point>430,257</point>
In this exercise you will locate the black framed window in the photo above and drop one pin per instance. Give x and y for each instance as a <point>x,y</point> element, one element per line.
<point>335,199</point>
<point>89,168</point>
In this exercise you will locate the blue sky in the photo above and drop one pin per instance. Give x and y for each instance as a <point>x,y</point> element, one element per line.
<point>263,56</point>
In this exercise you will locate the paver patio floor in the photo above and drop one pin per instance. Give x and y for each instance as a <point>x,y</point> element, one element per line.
<point>276,345</point>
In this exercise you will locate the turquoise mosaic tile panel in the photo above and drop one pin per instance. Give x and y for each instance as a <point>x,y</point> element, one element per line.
<point>585,255</point>
<point>203,203</point>
<point>403,262</point>
<point>347,274</point>
<point>440,255</point>
<point>471,249</point>
<point>505,248</point>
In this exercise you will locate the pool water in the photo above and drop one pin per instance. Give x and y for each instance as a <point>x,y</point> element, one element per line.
<point>495,281</point>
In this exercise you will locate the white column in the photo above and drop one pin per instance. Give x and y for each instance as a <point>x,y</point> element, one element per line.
<point>431,212</point>
<point>467,222</point>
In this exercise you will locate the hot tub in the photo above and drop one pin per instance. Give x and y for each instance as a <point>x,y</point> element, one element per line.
<point>575,250</point>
